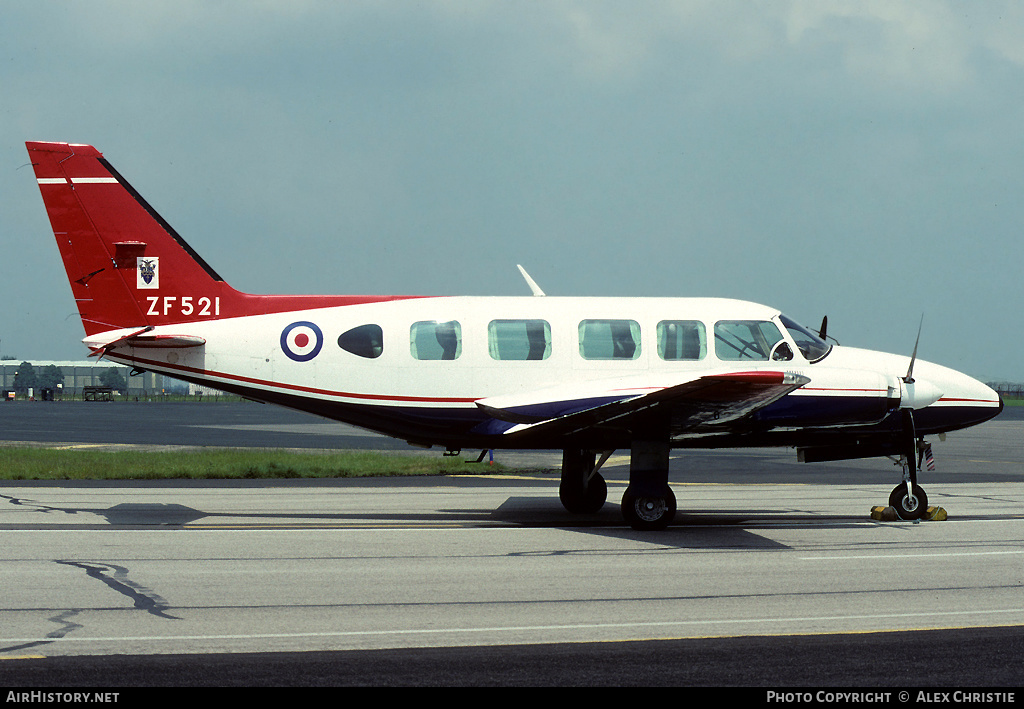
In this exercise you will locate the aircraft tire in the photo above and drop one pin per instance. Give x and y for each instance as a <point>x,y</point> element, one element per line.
<point>908,508</point>
<point>649,513</point>
<point>578,500</point>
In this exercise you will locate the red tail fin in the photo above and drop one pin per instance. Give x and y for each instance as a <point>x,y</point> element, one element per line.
<point>127,266</point>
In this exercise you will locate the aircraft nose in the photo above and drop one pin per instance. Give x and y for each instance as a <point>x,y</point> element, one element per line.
<point>962,400</point>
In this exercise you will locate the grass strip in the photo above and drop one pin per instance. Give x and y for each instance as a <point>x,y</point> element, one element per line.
<point>219,464</point>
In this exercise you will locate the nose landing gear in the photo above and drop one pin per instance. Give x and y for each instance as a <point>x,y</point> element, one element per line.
<point>909,499</point>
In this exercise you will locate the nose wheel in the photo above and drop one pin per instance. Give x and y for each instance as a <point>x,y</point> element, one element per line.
<point>909,501</point>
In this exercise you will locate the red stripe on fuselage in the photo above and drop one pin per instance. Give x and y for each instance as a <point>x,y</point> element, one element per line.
<point>873,391</point>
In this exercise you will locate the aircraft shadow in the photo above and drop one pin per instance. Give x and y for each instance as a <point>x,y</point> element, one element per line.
<point>691,529</point>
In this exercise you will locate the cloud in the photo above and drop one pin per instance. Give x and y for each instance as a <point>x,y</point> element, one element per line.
<point>813,155</point>
<point>930,47</point>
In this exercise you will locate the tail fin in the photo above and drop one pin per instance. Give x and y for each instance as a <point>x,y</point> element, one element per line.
<point>127,267</point>
<point>121,257</point>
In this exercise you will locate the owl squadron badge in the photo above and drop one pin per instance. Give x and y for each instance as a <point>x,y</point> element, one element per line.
<point>148,273</point>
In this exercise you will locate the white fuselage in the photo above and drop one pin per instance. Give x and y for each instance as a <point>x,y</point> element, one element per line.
<point>403,376</point>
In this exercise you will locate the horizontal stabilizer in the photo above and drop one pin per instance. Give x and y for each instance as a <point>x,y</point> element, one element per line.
<point>166,341</point>
<point>141,338</point>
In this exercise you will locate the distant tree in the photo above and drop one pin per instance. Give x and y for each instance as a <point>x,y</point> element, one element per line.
<point>25,377</point>
<point>49,377</point>
<point>114,379</point>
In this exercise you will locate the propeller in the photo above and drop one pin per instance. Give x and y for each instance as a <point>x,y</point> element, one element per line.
<point>916,394</point>
<point>909,379</point>
<point>824,328</point>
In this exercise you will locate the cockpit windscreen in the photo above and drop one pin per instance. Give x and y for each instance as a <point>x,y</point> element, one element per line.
<point>812,347</point>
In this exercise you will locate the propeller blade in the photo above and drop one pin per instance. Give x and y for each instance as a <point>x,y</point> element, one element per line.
<point>824,328</point>
<point>909,379</point>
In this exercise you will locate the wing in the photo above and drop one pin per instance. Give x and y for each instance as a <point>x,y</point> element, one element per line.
<point>709,402</point>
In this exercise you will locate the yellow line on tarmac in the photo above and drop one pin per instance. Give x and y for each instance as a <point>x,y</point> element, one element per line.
<point>22,657</point>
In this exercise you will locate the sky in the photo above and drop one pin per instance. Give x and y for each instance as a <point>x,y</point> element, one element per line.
<point>860,160</point>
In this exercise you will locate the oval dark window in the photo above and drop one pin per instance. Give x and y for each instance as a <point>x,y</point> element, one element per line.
<point>364,341</point>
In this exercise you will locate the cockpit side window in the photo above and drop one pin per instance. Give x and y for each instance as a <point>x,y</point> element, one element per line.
<point>812,347</point>
<point>745,339</point>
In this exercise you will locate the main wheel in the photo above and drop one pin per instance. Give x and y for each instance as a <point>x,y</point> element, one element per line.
<point>908,506</point>
<point>578,500</point>
<point>647,513</point>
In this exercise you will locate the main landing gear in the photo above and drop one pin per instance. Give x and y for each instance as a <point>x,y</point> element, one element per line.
<point>583,489</point>
<point>648,503</point>
<point>649,512</point>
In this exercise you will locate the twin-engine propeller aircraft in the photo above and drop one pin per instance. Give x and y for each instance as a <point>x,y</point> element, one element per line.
<point>582,375</point>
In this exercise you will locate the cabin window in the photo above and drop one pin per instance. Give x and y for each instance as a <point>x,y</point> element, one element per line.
<point>682,340</point>
<point>746,339</point>
<point>519,339</point>
<point>435,340</point>
<point>363,341</point>
<point>609,339</point>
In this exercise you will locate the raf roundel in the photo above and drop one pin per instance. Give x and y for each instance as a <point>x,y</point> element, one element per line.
<point>302,341</point>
